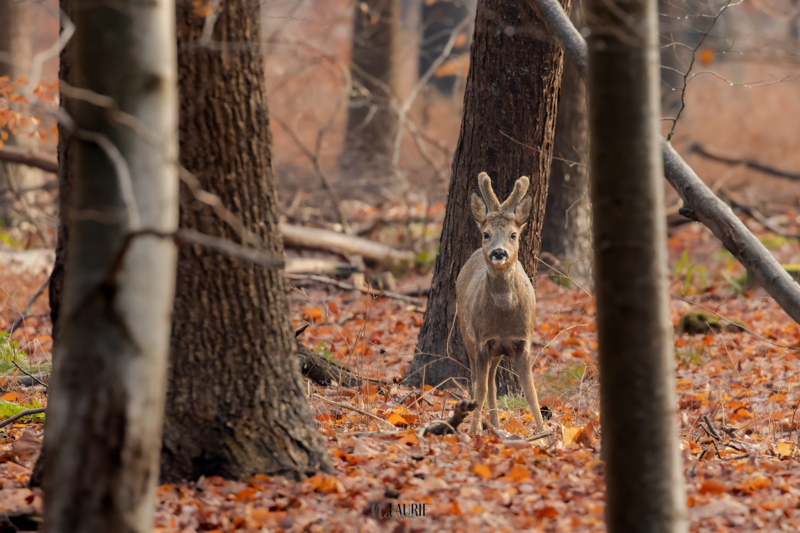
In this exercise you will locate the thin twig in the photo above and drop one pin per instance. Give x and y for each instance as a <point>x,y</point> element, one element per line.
<point>539,437</point>
<point>326,183</point>
<point>752,163</point>
<point>351,408</point>
<point>34,378</point>
<point>365,290</point>
<point>24,312</point>
<point>711,428</point>
<point>17,416</point>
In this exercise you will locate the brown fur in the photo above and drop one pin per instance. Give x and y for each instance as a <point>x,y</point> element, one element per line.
<point>496,302</point>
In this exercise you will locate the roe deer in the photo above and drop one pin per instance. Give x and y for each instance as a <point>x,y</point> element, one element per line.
<point>496,302</point>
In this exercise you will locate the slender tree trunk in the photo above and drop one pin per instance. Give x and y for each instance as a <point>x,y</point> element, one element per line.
<point>66,161</point>
<point>567,230</point>
<point>104,414</point>
<point>15,62</point>
<point>644,468</point>
<point>235,405</point>
<point>439,18</point>
<point>371,121</point>
<point>507,131</point>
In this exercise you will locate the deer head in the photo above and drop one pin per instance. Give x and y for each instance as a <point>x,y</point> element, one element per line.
<point>501,224</point>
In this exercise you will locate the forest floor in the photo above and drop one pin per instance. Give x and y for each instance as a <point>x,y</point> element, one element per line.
<point>741,473</point>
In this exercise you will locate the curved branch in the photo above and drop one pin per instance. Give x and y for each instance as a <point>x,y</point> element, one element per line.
<point>699,202</point>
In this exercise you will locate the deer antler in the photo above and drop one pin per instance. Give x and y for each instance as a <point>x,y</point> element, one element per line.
<point>520,188</point>
<point>492,203</point>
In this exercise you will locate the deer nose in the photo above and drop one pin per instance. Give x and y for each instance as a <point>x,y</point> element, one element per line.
<point>498,254</point>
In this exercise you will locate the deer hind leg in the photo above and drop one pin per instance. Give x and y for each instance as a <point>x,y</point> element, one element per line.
<point>493,391</point>
<point>523,364</point>
<point>480,383</point>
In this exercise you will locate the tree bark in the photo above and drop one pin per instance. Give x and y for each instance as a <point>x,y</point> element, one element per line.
<point>507,131</point>
<point>644,467</point>
<point>235,405</point>
<point>567,230</point>
<point>15,62</point>
<point>104,415</point>
<point>371,121</point>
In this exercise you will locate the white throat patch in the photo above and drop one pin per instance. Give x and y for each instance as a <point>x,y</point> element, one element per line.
<point>504,300</point>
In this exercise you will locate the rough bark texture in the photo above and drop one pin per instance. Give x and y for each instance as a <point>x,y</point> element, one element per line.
<point>371,121</point>
<point>15,62</point>
<point>439,19</point>
<point>507,131</point>
<point>65,159</point>
<point>644,468</point>
<point>104,415</point>
<point>567,230</point>
<point>235,405</point>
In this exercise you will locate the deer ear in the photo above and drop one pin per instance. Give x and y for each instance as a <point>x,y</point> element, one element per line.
<point>523,211</point>
<point>478,207</point>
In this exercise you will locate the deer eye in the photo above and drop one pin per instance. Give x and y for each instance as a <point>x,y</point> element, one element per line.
<point>485,235</point>
<point>513,236</point>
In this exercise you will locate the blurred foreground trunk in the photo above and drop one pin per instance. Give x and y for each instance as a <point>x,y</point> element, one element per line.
<point>366,160</point>
<point>106,397</point>
<point>644,467</point>
<point>567,230</point>
<point>506,131</point>
<point>235,405</point>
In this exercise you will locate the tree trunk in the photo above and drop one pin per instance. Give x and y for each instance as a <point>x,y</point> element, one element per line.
<point>235,405</point>
<point>439,18</point>
<point>371,121</point>
<point>567,230</point>
<point>15,62</point>
<point>104,414</point>
<point>644,468</point>
<point>507,131</point>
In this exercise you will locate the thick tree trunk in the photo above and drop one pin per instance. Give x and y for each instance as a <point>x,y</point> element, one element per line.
<point>15,62</point>
<point>104,415</point>
<point>235,405</point>
<point>644,468</point>
<point>507,131</point>
<point>371,121</point>
<point>438,19</point>
<point>567,230</point>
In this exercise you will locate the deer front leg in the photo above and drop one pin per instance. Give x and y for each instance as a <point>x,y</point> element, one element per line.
<point>480,382</point>
<point>493,416</point>
<point>523,364</point>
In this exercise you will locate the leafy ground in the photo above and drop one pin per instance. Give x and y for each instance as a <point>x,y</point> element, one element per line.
<point>741,473</point>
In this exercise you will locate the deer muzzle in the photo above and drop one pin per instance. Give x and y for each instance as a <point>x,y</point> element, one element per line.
<point>499,256</point>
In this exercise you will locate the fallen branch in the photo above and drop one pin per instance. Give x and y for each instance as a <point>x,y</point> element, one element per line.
<point>314,265</point>
<point>700,203</point>
<point>365,290</point>
<point>698,149</point>
<point>12,154</point>
<point>324,372</point>
<point>301,237</point>
<point>17,416</point>
<point>351,408</point>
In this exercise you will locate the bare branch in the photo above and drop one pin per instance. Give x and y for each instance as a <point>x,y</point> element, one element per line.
<point>696,148</point>
<point>12,154</point>
<point>699,202</point>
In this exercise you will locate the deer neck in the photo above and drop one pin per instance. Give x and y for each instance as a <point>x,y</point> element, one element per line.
<point>503,285</point>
